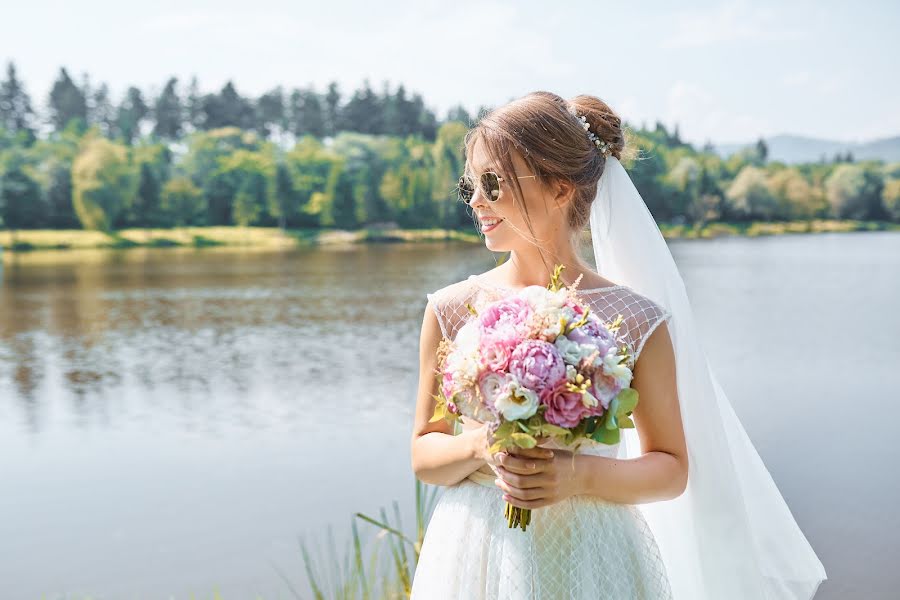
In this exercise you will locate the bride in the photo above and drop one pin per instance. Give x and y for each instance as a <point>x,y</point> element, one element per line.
<point>683,506</point>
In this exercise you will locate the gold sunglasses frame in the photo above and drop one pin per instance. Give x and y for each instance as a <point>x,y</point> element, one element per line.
<point>475,188</point>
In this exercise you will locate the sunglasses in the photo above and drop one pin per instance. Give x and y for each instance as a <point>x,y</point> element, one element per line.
<point>489,182</point>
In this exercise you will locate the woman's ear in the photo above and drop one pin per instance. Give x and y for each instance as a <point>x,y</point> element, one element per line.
<point>564,192</point>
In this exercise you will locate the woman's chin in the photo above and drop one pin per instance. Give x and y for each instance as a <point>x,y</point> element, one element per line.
<point>493,245</point>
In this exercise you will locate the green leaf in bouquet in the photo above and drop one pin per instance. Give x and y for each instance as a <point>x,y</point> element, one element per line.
<point>628,399</point>
<point>522,426</point>
<point>523,440</point>
<point>505,429</point>
<point>439,411</point>
<point>551,429</point>
<point>625,422</point>
<point>609,417</point>
<point>606,436</point>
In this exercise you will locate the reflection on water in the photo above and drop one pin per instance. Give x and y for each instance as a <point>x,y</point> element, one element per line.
<point>171,419</point>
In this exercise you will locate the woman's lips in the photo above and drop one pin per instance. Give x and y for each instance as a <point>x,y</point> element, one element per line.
<point>493,224</point>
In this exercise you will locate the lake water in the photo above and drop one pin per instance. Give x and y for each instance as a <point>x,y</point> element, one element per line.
<point>171,420</point>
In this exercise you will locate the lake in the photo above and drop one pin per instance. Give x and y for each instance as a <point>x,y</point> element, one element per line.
<point>172,419</point>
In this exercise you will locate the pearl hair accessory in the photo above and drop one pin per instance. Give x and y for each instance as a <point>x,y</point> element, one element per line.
<point>602,146</point>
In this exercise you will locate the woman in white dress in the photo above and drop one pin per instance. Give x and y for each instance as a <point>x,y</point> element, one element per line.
<point>536,170</point>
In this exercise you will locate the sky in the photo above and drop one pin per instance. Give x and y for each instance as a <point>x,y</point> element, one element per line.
<point>727,72</point>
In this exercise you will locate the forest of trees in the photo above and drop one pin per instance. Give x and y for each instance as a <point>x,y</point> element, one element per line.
<point>303,159</point>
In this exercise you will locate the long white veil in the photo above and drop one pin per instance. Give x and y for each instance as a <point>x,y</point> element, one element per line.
<point>730,535</point>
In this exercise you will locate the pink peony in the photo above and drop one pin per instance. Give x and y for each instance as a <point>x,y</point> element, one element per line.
<point>564,408</point>
<point>496,350</point>
<point>537,365</point>
<point>509,313</point>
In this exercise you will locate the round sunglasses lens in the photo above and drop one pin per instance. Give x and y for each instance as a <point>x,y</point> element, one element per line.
<point>465,189</point>
<point>490,184</point>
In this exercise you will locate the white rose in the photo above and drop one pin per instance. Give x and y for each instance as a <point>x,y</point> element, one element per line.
<point>516,401</point>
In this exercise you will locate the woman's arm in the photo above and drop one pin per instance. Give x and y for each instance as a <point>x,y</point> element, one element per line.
<point>438,456</point>
<point>661,472</point>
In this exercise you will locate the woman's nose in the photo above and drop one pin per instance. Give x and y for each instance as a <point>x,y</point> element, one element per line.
<point>478,198</point>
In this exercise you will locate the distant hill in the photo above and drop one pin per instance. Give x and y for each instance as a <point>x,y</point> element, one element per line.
<point>799,149</point>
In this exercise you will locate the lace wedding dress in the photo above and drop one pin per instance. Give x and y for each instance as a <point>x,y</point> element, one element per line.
<point>581,548</point>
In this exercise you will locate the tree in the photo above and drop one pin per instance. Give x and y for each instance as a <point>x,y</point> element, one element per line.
<point>168,112</point>
<point>102,181</point>
<point>269,115</point>
<point>132,113</point>
<point>750,196</point>
<point>460,114</point>
<point>227,109</point>
<point>762,150</point>
<point>333,122</point>
<point>67,103</point>
<point>102,114</point>
<point>20,195</point>
<point>194,106</point>
<point>854,192</point>
<point>792,193</point>
<point>183,202</point>
<point>305,114</point>
<point>16,113</point>
<point>362,112</point>
<point>890,196</point>
<point>250,176</point>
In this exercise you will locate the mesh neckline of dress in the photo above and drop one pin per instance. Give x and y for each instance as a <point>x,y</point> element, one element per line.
<point>477,281</point>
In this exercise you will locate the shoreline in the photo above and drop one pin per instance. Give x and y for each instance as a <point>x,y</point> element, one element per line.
<point>31,240</point>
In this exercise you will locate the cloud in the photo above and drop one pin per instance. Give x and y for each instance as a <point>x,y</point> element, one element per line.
<point>700,115</point>
<point>814,83</point>
<point>733,22</point>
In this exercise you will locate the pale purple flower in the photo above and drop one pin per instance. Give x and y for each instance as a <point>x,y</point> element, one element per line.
<point>537,365</point>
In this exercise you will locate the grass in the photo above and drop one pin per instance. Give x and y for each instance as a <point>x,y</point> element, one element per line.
<point>368,573</point>
<point>273,237</point>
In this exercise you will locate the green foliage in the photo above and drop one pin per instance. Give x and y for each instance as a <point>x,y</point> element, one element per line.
<point>103,182</point>
<point>750,196</point>
<point>20,194</point>
<point>303,159</point>
<point>183,202</point>
<point>854,192</point>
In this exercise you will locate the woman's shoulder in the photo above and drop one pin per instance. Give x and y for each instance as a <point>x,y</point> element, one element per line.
<point>454,290</point>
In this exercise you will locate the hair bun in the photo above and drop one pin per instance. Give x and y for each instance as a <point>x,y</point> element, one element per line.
<point>604,122</point>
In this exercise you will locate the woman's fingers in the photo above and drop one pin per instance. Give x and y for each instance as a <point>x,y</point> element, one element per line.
<point>520,493</point>
<point>523,464</point>
<point>529,480</point>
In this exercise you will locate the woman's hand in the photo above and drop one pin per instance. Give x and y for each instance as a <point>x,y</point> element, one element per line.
<point>536,477</point>
<point>481,438</point>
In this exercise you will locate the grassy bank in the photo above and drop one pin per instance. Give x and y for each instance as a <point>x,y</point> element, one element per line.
<point>43,239</point>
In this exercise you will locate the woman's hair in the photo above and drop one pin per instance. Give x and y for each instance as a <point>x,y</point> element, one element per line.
<point>553,143</point>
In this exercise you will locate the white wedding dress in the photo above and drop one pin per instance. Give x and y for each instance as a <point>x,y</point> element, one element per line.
<point>581,548</point>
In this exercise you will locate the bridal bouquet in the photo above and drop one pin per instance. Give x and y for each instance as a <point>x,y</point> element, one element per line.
<point>536,364</point>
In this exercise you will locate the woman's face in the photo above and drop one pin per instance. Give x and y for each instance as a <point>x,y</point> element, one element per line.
<point>501,222</point>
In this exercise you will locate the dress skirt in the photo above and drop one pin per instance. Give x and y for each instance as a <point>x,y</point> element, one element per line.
<point>582,548</point>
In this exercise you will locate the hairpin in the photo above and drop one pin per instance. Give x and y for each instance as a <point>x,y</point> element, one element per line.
<point>602,146</point>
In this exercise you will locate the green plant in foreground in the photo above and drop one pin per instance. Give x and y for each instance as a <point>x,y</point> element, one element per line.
<point>352,577</point>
